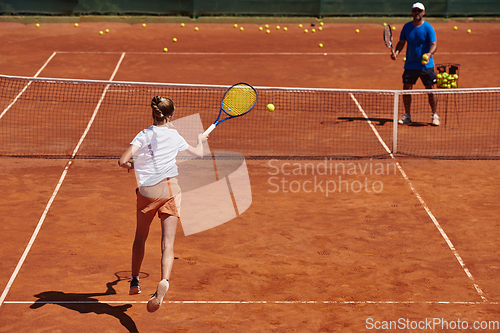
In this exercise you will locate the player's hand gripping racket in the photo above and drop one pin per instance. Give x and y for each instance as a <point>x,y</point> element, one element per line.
<point>238,100</point>
<point>388,38</point>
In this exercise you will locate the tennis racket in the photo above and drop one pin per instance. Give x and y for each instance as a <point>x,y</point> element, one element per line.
<point>388,37</point>
<point>238,100</point>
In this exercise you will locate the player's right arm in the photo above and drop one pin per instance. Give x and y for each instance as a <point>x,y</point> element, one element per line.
<point>399,48</point>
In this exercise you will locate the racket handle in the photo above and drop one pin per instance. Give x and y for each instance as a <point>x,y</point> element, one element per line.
<point>209,130</point>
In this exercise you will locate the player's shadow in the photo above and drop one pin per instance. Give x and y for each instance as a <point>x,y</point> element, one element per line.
<point>379,121</point>
<point>85,303</point>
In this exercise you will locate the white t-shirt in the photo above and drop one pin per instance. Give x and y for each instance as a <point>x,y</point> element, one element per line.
<point>155,159</point>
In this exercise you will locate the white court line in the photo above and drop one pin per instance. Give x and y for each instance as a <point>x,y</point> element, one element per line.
<point>27,85</point>
<point>273,53</point>
<point>54,194</point>
<point>258,302</point>
<point>427,209</point>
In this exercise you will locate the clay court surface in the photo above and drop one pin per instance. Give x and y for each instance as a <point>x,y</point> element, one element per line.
<point>422,245</point>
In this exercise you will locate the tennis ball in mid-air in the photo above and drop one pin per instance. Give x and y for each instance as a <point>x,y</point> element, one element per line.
<point>469,31</point>
<point>455,27</point>
<point>320,28</point>
<point>357,31</point>
<point>306,31</point>
<point>144,25</point>
<point>393,28</point>
<point>196,29</point>
<point>278,27</point>
<point>425,57</point>
<point>320,44</point>
<point>321,23</point>
<point>100,32</point>
<point>313,30</point>
<point>241,29</point>
<point>107,30</point>
<point>300,25</point>
<point>37,25</point>
<point>235,25</point>
<point>165,50</point>
<point>285,29</point>
<point>174,39</point>
<point>267,26</point>
<point>270,107</point>
<point>76,24</point>
<point>182,25</point>
<point>384,24</point>
<point>268,31</point>
<point>260,28</point>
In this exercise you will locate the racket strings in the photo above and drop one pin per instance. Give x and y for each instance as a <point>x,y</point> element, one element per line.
<point>388,36</point>
<point>239,99</point>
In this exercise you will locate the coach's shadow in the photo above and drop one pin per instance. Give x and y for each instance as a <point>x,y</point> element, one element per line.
<point>84,303</point>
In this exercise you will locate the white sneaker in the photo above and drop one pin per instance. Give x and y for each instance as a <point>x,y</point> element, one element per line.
<point>435,120</point>
<point>155,301</point>
<point>405,119</point>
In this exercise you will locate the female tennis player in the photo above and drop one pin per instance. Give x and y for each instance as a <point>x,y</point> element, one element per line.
<point>154,152</point>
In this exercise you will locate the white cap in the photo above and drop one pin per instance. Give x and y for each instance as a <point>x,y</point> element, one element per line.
<point>418,5</point>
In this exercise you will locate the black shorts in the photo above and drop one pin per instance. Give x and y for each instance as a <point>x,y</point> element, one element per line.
<point>427,75</point>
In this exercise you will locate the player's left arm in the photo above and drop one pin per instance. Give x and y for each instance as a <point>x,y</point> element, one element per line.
<point>125,160</point>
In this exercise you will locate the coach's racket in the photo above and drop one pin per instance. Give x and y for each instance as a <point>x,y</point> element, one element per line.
<point>238,100</point>
<point>388,37</point>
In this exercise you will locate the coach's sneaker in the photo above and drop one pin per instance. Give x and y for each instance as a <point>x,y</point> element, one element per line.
<point>435,120</point>
<point>134,286</point>
<point>405,119</point>
<point>155,301</point>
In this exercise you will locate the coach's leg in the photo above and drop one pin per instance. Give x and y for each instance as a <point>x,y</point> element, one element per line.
<point>407,98</point>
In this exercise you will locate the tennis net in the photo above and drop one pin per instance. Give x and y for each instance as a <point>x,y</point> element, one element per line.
<point>61,118</point>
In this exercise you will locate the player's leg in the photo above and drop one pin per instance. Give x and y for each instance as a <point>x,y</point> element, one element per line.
<point>168,229</point>
<point>138,248</point>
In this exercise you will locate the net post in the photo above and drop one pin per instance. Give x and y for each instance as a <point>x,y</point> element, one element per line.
<point>395,123</point>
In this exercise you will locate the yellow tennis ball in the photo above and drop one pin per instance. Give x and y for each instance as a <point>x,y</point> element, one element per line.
<point>455,27</point>
<point>107,30</point>
<point>270,107</point>
<point>285,29</point>
<point>76,24</point>
<point>424,62</point>
<point>174,39</point>
<point>267,26</point>
<point>385,24</point>
<point>165,50</point>
<point>306,31</point>
<point>300,25</point>
<point>260,28</point>
<point>268,31</point>
<point>357,31</point>
<point>404,58</point>
<point>469,31</point>
<point>100,32</point>
<point>320,44</point>
<point>37,25</point>
<point>144,25</point>
<point>278,27</point>
<point>235,25</point>
<point>393,28</point>
<point>196,29</point>
<point>425,57</point>
<point>241,29</point>
<point>313,30</point>
<point>182,25</point>
<point>321,23</point>
<point>320,28</point>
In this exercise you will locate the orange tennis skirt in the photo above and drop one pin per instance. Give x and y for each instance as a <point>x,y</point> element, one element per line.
<point>162,198</point>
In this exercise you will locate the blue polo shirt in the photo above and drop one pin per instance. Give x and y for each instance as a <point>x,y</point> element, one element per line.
<point>418,41</point>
